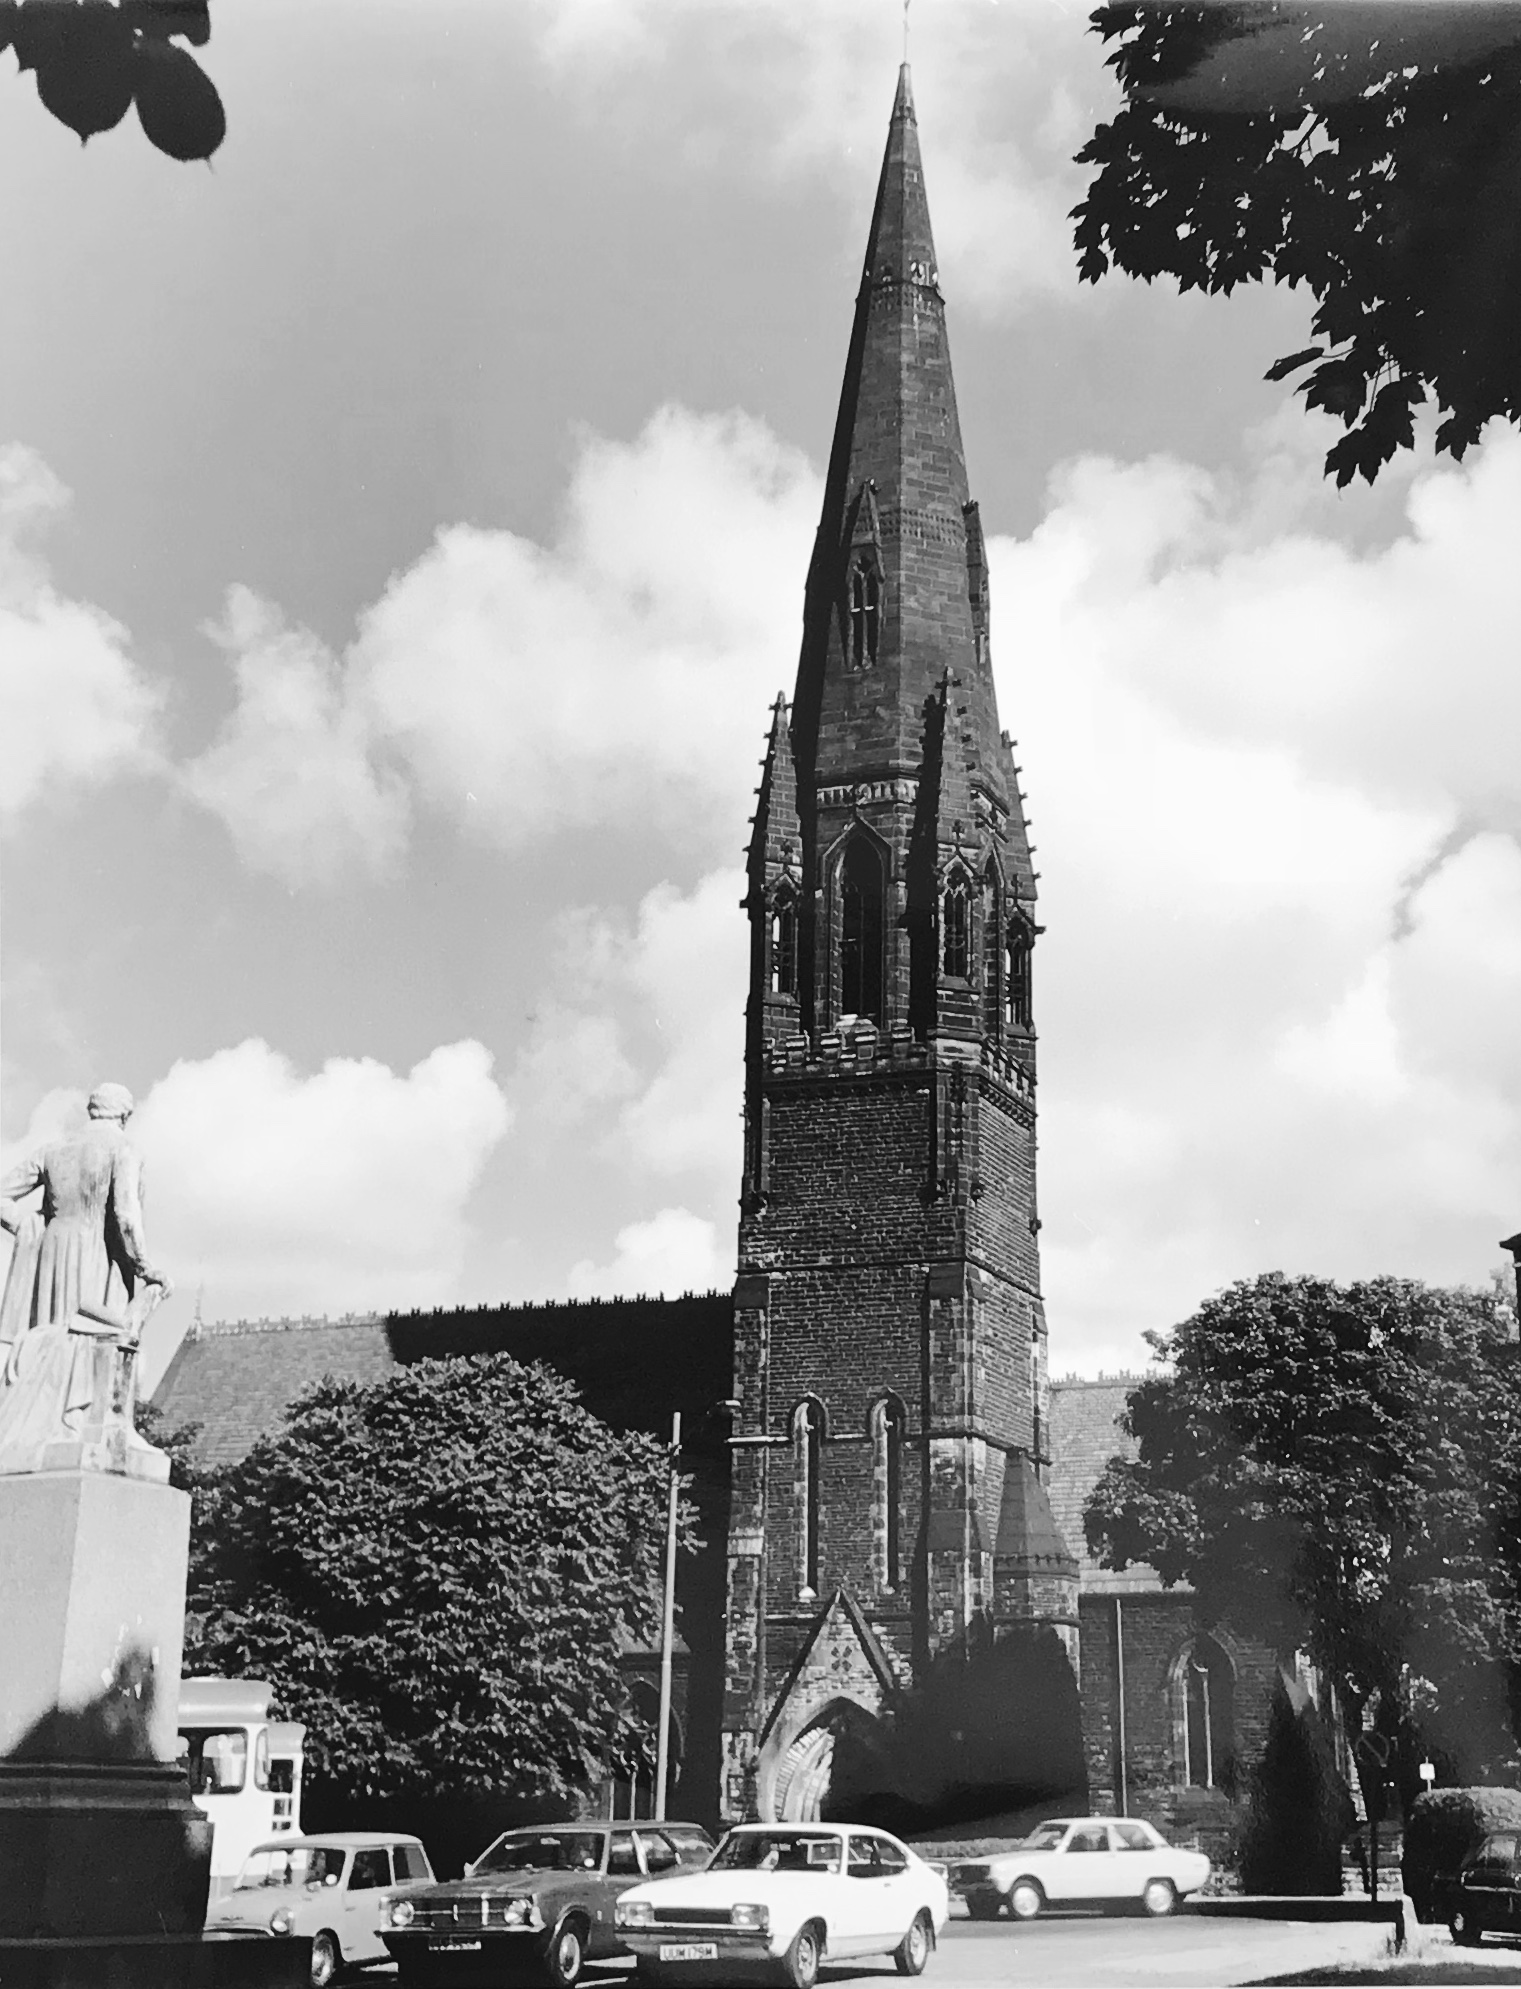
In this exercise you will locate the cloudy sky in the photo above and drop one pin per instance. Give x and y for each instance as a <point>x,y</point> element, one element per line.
<point>402,536</point>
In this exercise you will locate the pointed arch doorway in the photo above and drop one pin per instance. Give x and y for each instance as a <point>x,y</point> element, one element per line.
<point>831,1767</point>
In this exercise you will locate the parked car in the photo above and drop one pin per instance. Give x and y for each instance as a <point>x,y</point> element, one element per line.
<point>542,1897</point>
<point>781,1897</point>
<point>337,1888</point>
<point>1486,1895</point>
<point>1081,1861</point>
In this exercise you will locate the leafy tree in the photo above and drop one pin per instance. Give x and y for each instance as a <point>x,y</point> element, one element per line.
<point>1336,1469</point>
<point>438,1572</point>
<point>1368,152</point>
<point>95,59</point>
<point>178,1443</point>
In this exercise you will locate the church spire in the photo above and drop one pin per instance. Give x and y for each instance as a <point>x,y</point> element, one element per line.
<point>888,606</point>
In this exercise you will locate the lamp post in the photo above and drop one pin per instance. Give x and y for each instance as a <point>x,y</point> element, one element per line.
<point>668,1621</point>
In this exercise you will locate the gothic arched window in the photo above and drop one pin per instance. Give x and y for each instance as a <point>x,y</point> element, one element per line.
<point>784,944</point>
<point>1206,1684</point>
<point>888,1421</point>
<point>955,930</point>
<point>992,952</point>
<point>1019,947</point>
<point>861,895</point>
<point>865,615</point>
<point>808,1451</point>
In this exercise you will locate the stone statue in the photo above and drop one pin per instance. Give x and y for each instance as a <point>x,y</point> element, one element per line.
<point>78,1294</point>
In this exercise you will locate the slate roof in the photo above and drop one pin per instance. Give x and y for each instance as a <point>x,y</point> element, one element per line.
<point>1085,1434</point>
<point>633,1360</point>
<point>238,1379</point>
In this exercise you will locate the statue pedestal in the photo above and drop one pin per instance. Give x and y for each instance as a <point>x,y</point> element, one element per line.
<point>98,1835</point>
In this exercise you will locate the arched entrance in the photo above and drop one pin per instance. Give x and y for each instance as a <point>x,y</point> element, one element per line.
<point>831,1767</point>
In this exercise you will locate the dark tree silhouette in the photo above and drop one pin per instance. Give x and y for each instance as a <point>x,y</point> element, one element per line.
<point>1367,149</point>
<point>94,59</point>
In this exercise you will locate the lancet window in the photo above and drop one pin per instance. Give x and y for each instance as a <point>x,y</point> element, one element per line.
<point>1019,947</point>
<point>992,952</point>
<point>861,932</point>
<point>888,1421</point>
<point>808,1451</point>
<point>1206,1686</point>
<point>865,605</point>
<point>783,939</point>
<point>955,930</point>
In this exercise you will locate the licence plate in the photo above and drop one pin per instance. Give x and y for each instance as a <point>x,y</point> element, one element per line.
<point>689,1951</point>
<point>445,1941</point>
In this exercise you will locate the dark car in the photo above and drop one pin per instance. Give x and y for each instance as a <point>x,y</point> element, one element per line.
<point>542,1898</point>
<point>1486,1895</point>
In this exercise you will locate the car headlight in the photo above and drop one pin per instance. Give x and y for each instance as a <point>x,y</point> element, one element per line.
<point>280,1921</point>
<point>754,1919</point>
<point>403,1913</point>
<point>634,1913</point>
<point>517,1912</point>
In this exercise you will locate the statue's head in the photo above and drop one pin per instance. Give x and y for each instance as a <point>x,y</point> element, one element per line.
<point>111,1101</point>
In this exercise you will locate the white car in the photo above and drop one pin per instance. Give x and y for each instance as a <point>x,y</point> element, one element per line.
<point>1081,1861</point>
<point>337,1888</point>
<point>783,1896</point>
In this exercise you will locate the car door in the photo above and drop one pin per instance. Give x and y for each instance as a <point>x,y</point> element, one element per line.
<point>1087,1865</point>
<point>368,1880</point>
<point>867,1899</point>
<point>1136,1859</point>
<point>1484,1882</point>
<point>903,1889</point>
<point>621,1869</point>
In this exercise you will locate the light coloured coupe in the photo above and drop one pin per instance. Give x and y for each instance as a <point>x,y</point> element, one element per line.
<point>779,1898</point>
<point>1081,1861</point>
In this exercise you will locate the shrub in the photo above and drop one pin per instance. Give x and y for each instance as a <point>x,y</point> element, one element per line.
<point>1299,1810</point>
<point>1442,1827</point>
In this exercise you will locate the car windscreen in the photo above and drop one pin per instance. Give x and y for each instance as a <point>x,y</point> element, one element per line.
<point>293,1864</point>
<point>1047,1837</point>
<point>777,1851</point>
<point>544,1851</point>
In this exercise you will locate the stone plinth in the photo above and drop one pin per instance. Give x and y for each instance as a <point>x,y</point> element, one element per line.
<point>98,1835</point>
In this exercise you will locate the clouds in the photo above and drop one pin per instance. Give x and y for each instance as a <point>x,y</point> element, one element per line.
<point>337,1190</point>
<point>77,708</point>
<point>619,676</point>
<point>1008,94</point>
<point>633,1075</point>
<point>674,1252</point>
<point>1283,945</point>
<point>291,772</point>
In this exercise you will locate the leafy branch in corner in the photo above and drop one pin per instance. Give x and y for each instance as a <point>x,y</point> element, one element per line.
<point>1390,187</point>
<point>95,59</point>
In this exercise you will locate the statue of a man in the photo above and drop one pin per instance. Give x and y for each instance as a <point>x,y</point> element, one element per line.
<point>85,1255</point>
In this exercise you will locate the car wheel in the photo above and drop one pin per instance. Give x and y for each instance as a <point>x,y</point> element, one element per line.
<point>984,1905</point>
<point>1025,1899</point>
<point>566,1954</point>
<point>1159,1897</point>
<point>327,1959</point>
<point>913,1952</point>
<point>1464,1928</point>
<point>800,1964</point>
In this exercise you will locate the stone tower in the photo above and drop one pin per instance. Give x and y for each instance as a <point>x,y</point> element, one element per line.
<point>889,1436</point>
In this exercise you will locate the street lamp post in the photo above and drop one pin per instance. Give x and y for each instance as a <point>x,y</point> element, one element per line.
<point>668,1621</point>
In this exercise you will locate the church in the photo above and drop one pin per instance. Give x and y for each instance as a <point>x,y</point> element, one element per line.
<point>886,1476</point>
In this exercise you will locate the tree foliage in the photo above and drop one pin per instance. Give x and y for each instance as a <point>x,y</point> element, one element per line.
<point>1363,151</point>
<point>95,59</point>
<point>438,1572</point>
<point>1336,1469</point>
